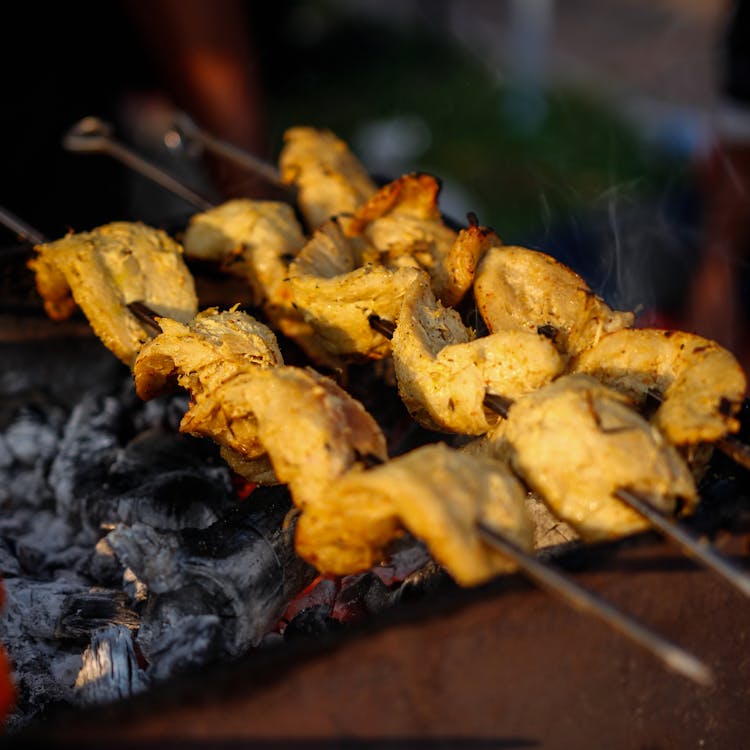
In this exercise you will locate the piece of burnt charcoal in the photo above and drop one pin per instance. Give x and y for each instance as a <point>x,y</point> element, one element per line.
<point>30,437</point>
<point>110,670</point>
<point>359,597</point>
<point>421,583</point>
<point>102,565</point>
<point>166,480</point>
<point>183,642</point>
<point>50,543</point>
<point>313,621</point>
<point>242,569</point>
<point>83,613</point>
<point>87,449</point>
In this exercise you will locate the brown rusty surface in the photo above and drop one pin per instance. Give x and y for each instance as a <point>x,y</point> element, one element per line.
<point>505,667</point>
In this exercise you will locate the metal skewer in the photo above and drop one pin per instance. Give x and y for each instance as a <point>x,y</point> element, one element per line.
<point>23,230</point>
<point>190,130</point>
<point>693,545</point>
<point>667,526</point>
<point>674,657</point>
<point>735,449</point>
<point>94,136</point>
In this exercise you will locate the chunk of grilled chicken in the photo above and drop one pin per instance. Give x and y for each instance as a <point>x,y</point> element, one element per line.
<point>256,240</point>
<point>104,270</point>
<point>443,375</point>
<point>699,383</point>
<point>575,442</point>
<point>201,355</point>
<point>525,290</point>
<point>436,493</point>
<point>337,299</point>
<point>329,179</point>
<point>403,222</point>
<point>312,430</point>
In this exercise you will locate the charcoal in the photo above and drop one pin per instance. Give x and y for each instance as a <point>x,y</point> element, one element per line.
<point>166,481</point>
<point>242,568</point>
<point>87,449</point>
<point>31,438</point>
<point>421,583</point>
<point>102,565</point>
<point>361,595</point>
<point>48,544</point>
<point>83,613</point>
<point>313,621</point>
<point>110,670</point>
<point>192,641</point>
<point>33,608</point>
<point>6,456</point>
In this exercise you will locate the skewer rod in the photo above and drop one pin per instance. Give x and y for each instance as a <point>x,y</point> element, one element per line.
<point>93,136</point>
<point>21,228</point>
<point>229,151</point>
<point>674,657</point>
<point>702,551</point>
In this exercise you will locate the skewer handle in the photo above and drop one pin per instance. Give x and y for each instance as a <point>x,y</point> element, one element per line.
<point>187,127</point>
<point>93,136</point>
<point>694,546</point>
<point>672,656</point>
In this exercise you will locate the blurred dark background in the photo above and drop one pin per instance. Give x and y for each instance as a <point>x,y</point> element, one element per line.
<point>575,127</point>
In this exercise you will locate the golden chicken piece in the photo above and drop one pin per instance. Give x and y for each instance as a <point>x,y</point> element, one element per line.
<point>437,494</point>
<point>576,442</point>
<point>443,376</point>
<point>203,354</point>
<point>525,290</point>
<point>337,299</point>
<point>255,240</point>
<point>700,384</point>
<point>312,430</point>
<point>104,270</point>
<point>403,222</point>
<point>329,179</point>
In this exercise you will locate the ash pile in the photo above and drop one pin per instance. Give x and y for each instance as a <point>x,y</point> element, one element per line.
<point>126,555</point>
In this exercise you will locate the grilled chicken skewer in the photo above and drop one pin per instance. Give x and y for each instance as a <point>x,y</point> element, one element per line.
<point>470,513</point>
<point>215,332</point>
<point>559,438</point>
<point>699,384</point>
<point>521,289</point>
<point>107,270</point>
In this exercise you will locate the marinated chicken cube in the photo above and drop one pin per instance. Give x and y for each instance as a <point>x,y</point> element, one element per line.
<point>576,442</point>
<point>699,383</point>
<point>329,179</point>
<point>312,430</point>
<point>525,290</point>
<point>255,240</point>
<point>337,299</point>
<point>437,494</point>
<point>443,375</point>
<point>203,354</point>
<point>104,270</point>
